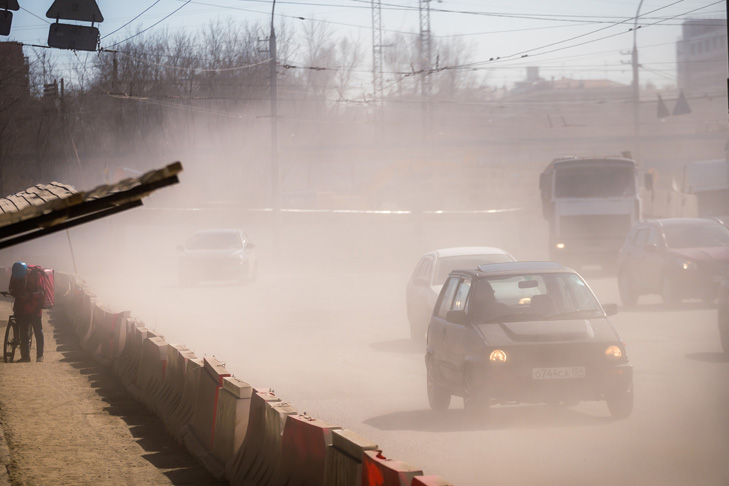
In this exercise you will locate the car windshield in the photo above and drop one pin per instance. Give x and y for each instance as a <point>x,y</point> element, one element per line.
<point>446,265</point>
<point>532,297</point>
<point>702,235</point>
<point>214,241</point>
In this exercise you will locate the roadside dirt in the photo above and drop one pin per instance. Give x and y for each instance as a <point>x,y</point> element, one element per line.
<point>69,421</point>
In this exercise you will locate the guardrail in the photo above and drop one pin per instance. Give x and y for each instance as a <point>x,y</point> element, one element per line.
<point>247,436</point>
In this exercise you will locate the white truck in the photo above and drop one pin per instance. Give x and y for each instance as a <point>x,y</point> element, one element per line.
<point>590,204</point>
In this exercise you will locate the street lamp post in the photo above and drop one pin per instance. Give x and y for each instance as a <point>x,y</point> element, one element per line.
<point>636,87</point>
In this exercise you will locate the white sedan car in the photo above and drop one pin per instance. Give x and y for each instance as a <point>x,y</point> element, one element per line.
<point>432,271</point>
<point>217,255</point>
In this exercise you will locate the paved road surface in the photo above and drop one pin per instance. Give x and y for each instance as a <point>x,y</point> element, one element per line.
<point>336,346</point>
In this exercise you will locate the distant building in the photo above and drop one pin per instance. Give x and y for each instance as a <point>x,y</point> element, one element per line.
<point>14,81</point>
<point>566,89</point>
<point>701,56</point>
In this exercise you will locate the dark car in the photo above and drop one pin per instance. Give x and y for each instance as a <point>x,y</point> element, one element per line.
<point>217,255</point>
<point>524,332</point>
<point>677,258</point>
<point>723,314</point>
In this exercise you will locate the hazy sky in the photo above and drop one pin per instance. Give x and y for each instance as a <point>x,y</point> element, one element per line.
<point>586,39</point>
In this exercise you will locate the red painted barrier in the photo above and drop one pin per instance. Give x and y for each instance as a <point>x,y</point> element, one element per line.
<point>343,465</point>
<point>377,470</point>
<point>303,451</point>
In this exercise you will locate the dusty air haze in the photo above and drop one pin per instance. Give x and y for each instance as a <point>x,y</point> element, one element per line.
<point>367,187</point>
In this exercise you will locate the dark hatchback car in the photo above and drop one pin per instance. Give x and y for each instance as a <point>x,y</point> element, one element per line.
<point>524,332</point>
<point>677,258</point>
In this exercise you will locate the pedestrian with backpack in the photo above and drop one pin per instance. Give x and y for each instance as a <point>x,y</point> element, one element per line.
<point>26,285</point>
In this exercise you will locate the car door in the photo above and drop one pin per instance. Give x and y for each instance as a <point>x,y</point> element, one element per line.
<point>419,302</point>
<point>455,342</point>
<point>633,259</point>
<point>653,262</point>
<point>436,337</point>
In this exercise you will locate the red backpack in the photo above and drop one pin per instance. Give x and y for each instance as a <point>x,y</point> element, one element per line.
<point>47,282</point>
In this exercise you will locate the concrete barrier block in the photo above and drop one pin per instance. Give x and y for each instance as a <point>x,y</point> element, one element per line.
<point>173,386</point>
<point>430,481</point>
<point>127,366</point>
<point>304,446</point>
<point>152,368</point>
<point>182,413</point>
<point>234,404</point>
<point>377,470</point>
<point>113,343</point>
<point>344,458</point>
<point>198,435</point>
<point>205,412</point>
<point>98,335</point>
<point>256,460</point>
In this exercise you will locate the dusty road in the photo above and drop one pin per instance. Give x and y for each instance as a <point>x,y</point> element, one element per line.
<point>336,345</point>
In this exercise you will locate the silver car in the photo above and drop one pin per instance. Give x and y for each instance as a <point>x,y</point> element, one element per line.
<point>217,255</point>
<point>432,271</point>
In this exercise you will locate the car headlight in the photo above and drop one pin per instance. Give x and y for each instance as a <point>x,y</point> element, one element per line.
<point>687,264</point>
<point>499,357</point>
<point>613,353</point>
<point>559,246</point>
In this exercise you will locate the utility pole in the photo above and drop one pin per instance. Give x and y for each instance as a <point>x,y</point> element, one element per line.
<point>275,178</point>
<point>377,81</point>
<point>636,88</point>
<point>425,66</point>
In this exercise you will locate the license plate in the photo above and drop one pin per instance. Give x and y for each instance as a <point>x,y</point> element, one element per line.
<point>558,373</point>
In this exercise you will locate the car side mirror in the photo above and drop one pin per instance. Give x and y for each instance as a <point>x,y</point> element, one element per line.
<point>652,247</point>
<point>420,281</point>
<point>610,309</point>
<point>250,246</point>
<point>457,317</point>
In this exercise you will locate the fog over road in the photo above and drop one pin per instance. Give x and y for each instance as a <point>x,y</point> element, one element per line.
<point>336,345</point>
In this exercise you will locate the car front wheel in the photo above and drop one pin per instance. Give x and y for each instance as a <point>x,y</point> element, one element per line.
<point>620,403</point>
<point>474,402</point>
<point>439,398</point>
<point>628,295</point>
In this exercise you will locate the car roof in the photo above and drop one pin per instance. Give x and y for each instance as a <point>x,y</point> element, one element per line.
<point>468,250</point>
<point>217,231</point>
<point>515,268</point>
<point>680,221</point>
